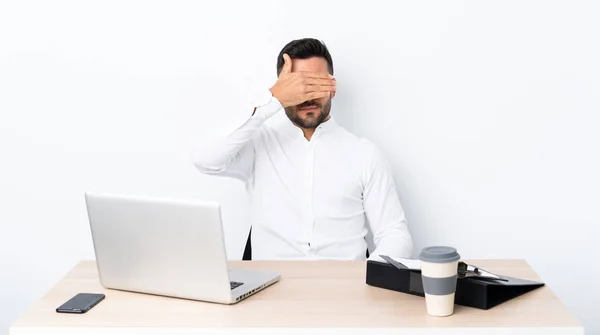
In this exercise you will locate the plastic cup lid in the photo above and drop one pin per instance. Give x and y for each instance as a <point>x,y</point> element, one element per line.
<point>439,254</point>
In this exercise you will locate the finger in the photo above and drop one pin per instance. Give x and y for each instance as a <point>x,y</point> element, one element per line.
<point>320,88</point>
<point>287,64</point>
<point>322,75</point>
<point>319,81</point>
<point>317,95</point>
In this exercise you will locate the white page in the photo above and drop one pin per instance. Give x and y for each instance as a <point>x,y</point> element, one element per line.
<point>413,264</point>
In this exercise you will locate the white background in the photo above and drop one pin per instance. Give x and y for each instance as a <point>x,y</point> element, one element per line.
<point>487,111</point>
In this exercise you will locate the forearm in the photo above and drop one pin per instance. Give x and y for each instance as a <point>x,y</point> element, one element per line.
<point>393,241</point>
<point>235,148</point>
<point>221,152</point>
<point>384,211</point>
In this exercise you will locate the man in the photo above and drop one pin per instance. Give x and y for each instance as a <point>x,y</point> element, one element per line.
<point>313,186</point>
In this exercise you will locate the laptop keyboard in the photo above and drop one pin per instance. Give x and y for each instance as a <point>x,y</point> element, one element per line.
<point>235,284</point>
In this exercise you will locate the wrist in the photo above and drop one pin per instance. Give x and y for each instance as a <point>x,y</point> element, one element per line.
<point>274,93</point>
<point>277,95</point>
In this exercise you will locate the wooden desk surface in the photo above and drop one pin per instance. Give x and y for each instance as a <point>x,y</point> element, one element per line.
<point>311,294</point>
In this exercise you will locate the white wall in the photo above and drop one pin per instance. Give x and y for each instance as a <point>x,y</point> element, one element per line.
<point>488,112</point>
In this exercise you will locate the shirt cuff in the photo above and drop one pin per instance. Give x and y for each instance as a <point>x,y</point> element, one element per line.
<point>266,105</point>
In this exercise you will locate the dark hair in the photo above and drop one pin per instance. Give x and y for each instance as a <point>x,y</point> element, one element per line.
<point>303,49</point>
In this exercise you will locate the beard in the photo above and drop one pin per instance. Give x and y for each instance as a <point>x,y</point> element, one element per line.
<point>311,119</point>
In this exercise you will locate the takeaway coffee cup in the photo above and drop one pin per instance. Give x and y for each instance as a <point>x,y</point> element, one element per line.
<point>439,270</point>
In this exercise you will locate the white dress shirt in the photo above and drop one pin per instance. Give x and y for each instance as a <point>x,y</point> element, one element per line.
<point>310,199</point>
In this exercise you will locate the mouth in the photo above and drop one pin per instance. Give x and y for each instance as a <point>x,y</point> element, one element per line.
<point>309,108</point>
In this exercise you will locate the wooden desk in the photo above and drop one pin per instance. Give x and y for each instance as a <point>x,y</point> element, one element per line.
<point>313,296</point>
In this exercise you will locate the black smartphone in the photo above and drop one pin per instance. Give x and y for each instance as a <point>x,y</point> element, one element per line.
<point>80,303</point>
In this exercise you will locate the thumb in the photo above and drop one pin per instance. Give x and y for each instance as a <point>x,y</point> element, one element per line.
<point>287,64</point>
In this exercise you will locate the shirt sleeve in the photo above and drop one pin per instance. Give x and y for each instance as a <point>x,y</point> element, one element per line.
<point>384,212</point>
<point>233,155</point>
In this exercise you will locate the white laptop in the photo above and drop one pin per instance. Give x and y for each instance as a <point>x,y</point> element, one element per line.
<point>167,247</point>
